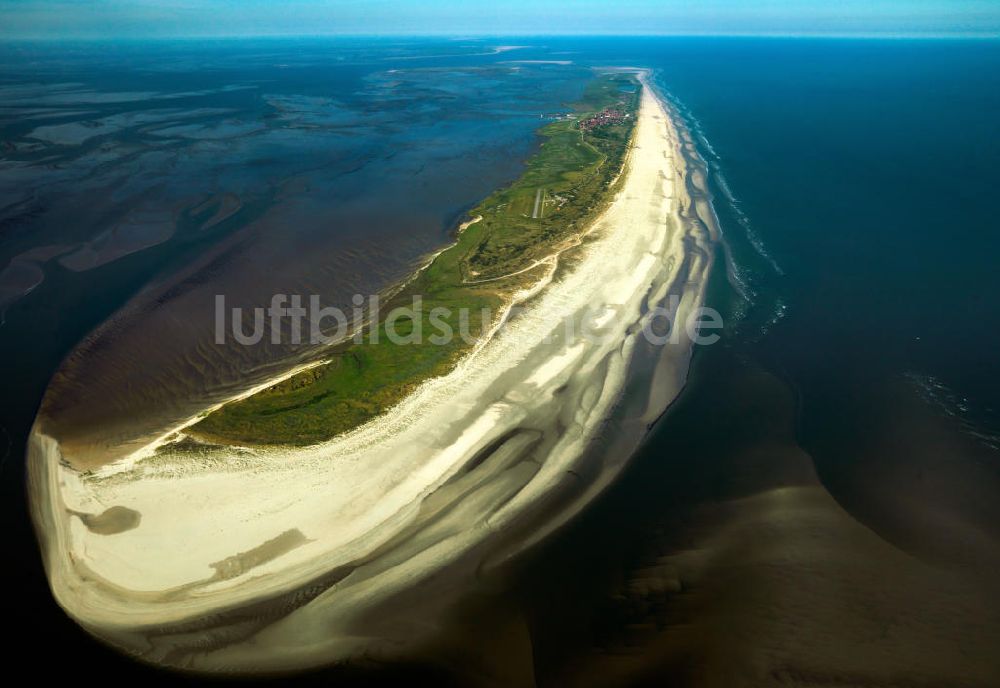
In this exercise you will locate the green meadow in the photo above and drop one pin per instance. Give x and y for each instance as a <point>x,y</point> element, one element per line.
<point>564,184</point>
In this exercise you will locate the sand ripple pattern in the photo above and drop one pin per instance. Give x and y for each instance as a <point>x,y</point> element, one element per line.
<point>253,560</point>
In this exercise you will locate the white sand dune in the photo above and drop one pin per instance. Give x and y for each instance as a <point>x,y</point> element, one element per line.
<point>250,560</point>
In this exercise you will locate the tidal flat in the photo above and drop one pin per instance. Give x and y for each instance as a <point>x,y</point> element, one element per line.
<point>470,469</point>
<point>818,505</point>
<point>331,169</point>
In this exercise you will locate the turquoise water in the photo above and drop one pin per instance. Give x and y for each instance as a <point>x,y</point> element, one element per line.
<point>855,183</point>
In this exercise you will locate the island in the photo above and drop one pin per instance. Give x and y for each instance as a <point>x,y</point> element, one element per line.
<point>339,510</point>
<point>511,245</point>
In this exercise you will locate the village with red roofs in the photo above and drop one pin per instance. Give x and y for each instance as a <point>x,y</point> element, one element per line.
<point>602,118</point>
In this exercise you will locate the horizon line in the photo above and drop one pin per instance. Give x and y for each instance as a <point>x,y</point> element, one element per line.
<point>984,35</point>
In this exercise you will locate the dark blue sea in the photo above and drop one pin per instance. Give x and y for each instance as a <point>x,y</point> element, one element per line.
<point>829,481</point>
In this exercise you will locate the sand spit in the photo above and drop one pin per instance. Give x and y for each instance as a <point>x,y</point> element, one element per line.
<point>416,507</point>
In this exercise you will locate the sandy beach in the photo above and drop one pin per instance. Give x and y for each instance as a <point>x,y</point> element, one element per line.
<point>243,560</point>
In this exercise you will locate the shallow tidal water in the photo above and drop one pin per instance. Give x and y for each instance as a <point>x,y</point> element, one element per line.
<point>828,482</point>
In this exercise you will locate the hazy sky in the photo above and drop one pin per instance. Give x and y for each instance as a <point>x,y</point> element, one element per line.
<point>142,18</point>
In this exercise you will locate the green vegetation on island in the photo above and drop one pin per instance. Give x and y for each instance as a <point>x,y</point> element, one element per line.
<point>564,184</point>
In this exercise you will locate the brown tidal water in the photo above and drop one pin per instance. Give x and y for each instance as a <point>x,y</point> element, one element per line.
<point>292,166</point>
<point>820,507</point>
<point>177,172</point>
<point>723,558</point>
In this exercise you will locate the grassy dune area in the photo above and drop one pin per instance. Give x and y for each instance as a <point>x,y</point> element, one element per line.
<point>564,185</point>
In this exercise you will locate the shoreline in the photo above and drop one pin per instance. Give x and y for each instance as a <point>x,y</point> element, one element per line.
<point>503,439</point>
<point>365,380</point>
